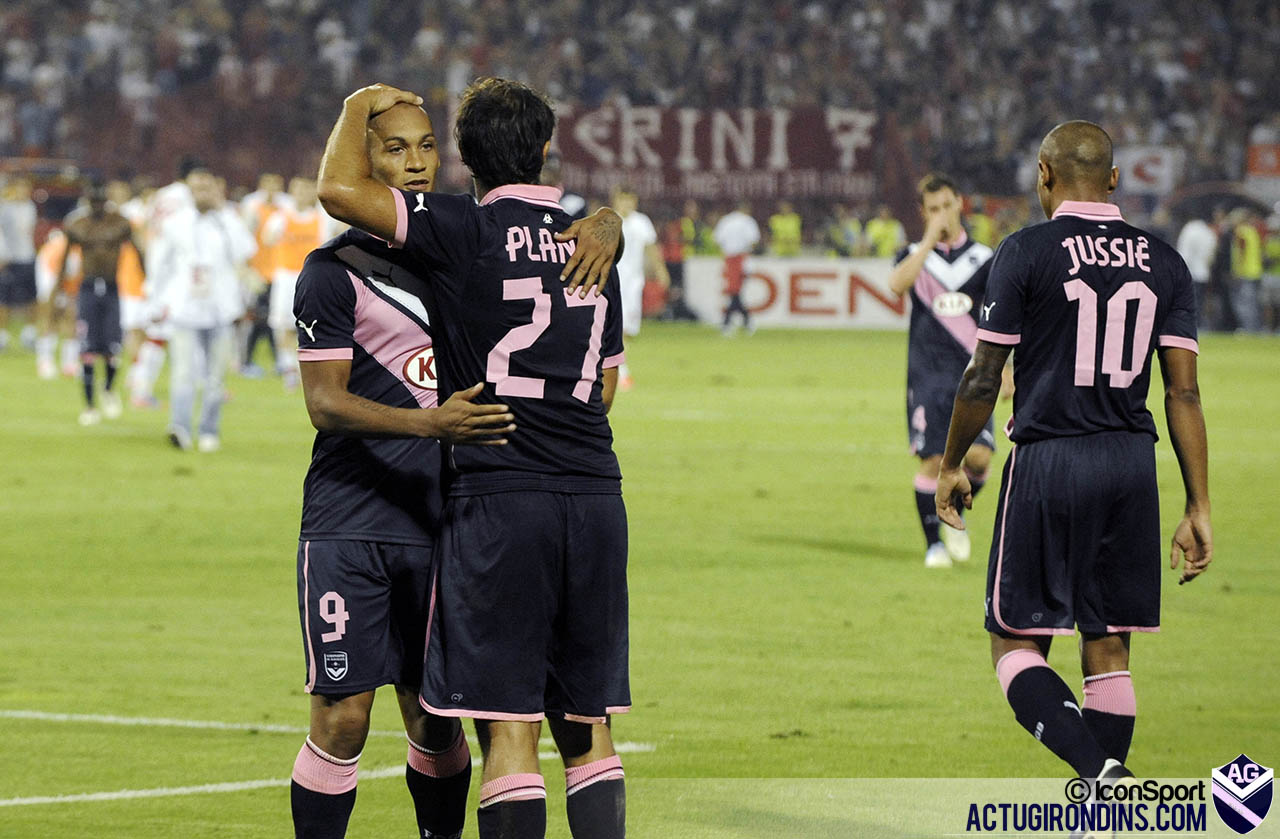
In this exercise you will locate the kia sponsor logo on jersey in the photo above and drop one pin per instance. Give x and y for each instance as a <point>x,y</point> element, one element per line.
<point>952,304</point>
<point>420,369</point>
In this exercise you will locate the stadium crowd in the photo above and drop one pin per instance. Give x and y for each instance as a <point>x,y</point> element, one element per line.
<point>955,76</point>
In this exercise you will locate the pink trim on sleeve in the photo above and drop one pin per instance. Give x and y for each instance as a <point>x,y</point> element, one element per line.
<point>1180,343</point>
<point>614,360</point>
<point>334,354</point>
<point>402,219</point>
<point>999,337</point>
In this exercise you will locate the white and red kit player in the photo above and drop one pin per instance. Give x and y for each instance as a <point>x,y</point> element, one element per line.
<point>736,234</point>
<point>639,261</point>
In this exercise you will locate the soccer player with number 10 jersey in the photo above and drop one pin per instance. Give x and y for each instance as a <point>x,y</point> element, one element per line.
<point>1081,300</point>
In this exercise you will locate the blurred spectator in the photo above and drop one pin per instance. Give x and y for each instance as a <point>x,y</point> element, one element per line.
<point>885,234</point>
<point>677,239</point>
<point>982,227</point>
<point>956,78</point>
<point>785,231</point>
<point>1220,277</point>
<point>1271,275</point>
<point>843,237</point>
<point>1196,244</point>
<point>1246,268</point>
<point>199,250</point>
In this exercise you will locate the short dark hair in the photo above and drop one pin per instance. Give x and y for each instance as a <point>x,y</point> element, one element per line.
<point>190,163</point>
<point>501,128</point>
<point>933,182</point>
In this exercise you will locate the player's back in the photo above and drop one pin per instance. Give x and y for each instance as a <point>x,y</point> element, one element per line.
<point>502,316</point>
<point>1085,297</point>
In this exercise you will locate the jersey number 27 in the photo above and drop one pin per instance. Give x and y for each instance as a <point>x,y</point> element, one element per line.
<point>498,367</point>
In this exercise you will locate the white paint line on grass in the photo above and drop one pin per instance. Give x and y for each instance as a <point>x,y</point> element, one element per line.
<point>234,786</point>
<point>163,792</point>
<point>215,725</point>
<point>231,786</point>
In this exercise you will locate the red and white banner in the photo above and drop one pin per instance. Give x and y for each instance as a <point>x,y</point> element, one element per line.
<point>720,154</point>
<point>1262,171</point>
<point>825,293</point>
<point>1149,170</point>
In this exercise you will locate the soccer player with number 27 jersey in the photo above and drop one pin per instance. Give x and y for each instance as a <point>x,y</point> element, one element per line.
<point>528,616</point>
<point>1082,301</point>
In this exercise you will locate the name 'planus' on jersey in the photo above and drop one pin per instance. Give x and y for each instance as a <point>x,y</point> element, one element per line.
<point>1085,298</point>
<point>501,315</point>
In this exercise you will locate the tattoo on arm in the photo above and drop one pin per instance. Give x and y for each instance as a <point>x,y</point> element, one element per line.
<point>981,382</point>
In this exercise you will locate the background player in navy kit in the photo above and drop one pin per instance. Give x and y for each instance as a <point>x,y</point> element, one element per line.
<point>371,508</point>
<point>530,607</point>
<point>946,276</point>
<point>1084,298</point>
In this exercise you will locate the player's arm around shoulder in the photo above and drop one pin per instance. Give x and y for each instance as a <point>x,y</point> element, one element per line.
<point>1193,538</point>
<point>325,313</point>
<point>346,187</point>
<point>600,244</point>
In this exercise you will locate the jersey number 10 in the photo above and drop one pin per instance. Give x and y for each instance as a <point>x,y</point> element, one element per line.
<point>498,367</point>
<point>1113,362</point>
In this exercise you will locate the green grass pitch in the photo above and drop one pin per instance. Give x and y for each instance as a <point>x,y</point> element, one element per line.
<point>783,624</point>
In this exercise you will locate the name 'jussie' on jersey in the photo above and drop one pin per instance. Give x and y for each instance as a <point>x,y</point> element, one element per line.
<point>1081,297</point>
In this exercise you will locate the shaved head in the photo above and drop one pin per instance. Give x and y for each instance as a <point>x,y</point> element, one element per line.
<point>1078,153</point>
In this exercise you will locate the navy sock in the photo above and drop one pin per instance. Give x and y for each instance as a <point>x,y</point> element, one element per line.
<point>111,374</point>
<point>596,800</point>
<point>1046,707</point>
<point>438,783</point>
<point>526,819</point>
<point>320,816</point>
<point>322,793</point>
<point>513,807</point>
<point>927,507</point>
<point>1114,732</point>
<point>1110,708</point>
<point>87,378</point>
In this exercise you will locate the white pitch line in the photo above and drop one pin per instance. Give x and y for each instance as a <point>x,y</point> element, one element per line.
<point>162,792</point>
<point>215,725</point>
<point>236,786</point>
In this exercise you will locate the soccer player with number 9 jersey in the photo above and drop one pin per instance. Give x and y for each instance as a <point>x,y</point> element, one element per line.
<point>529,608</point>
<point>1082,301</point>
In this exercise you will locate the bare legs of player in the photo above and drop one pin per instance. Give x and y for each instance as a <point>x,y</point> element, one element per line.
<point>1089,737</point>
<point>513,795</point>
<point>437,772</point>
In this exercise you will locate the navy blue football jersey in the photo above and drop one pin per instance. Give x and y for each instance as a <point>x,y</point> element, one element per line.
<point>361,488</point>
<point>1085,298</point>
<point>502,317</point>
<point>944,313</point>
